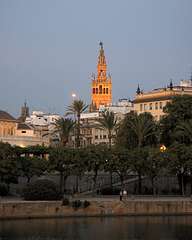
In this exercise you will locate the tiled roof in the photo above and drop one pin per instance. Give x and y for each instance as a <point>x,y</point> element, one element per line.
<point>6,116</point>
<point>23,126</point>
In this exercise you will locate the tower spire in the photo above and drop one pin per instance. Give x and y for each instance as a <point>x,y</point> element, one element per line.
<point>101,58</point>
<point>138,90</point>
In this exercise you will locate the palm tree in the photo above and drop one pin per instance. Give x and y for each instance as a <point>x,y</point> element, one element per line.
<point>144,129</point>
<point>76,108</point>
<point>184,130</point>
<point>143,132</point>
<point>108,122</point>
<point>64,126</point>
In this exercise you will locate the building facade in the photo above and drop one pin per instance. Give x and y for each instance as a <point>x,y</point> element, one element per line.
<point>91,131</point>
<point>154,101</point>
<point>20,134</point>
<point>101,84</point>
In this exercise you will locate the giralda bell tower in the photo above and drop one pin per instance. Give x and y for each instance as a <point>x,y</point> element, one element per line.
<point>102,84</point>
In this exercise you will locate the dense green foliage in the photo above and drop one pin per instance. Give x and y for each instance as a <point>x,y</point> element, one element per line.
<point>42,189</point>
<point>62,160</point>
<point>137,131</point>
<point>136,151</point>
<point>178,113</point>
<point>4,189</point>
<point>64,126</point>
<point>31,166</point>
<point>8,164</point>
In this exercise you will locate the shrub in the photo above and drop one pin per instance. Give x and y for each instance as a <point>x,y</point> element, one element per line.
<point>65,202</point>
<point>42,189</point>
<point>86,204</point>
<point>4,190</point>
<point>76,204</point>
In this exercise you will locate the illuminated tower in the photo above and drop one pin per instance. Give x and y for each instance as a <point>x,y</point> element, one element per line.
<point>101,85</point>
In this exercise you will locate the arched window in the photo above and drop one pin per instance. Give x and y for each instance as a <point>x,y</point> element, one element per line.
<point>106,90</point>
<point>100,89</point>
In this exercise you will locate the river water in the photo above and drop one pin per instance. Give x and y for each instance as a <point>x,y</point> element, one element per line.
<point>112,228</point>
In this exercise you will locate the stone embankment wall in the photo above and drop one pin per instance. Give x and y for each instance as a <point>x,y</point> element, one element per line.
<point>37,209</point>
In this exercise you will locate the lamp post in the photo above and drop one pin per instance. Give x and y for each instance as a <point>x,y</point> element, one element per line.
<point>182,180</point>
<point>162,148</point>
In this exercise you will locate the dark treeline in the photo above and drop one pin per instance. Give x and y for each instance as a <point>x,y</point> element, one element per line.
<point>142,147</point>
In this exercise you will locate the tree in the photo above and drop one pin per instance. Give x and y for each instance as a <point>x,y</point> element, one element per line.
<point>37,150</point>
<point>108,122</point>
<point>8,164</point>
<point>62,160</point>
<point>155,164</point>
<point>77,107</point>
<point>95,160</point>
<point>80,165</point>
<point>121,163</point>
<point>138,158</point>
<point>183,132</point>
<point>180,163</point>
<point>137,131</point>
<point>64,126</point>
<point>177,111</point>
<point>31,166</point>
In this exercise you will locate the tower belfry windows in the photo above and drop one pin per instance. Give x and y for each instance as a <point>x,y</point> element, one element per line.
<point>102,84</point>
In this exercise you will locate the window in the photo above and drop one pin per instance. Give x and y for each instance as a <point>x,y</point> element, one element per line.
<point>160,105</point>
<point>100,89</point>
<point>96,137</point>
<point>93,90</point>
<point>145,107</point>
<point>23,131</point>
<point>104,136</point>
<point>106,90</point>
<point>150,106</point>
<point>156,105</point>
<point>96,90</point>
<point>100,136</point>
<point>141,107</point>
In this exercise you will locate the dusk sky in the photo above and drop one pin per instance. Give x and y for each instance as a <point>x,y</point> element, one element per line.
<point>49,48</point>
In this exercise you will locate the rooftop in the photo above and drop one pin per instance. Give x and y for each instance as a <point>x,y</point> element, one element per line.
<point>6,116</point>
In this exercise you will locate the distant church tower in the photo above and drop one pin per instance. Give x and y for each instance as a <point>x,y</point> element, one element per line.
<point>24,112</point>
<point>101,85</point>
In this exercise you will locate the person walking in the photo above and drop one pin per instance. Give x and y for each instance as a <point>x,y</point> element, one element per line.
<point>125,193</point>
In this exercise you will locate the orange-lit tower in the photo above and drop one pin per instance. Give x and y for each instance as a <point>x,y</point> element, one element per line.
<point>101,85</point>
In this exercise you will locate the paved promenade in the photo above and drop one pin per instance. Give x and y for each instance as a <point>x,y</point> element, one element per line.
<point>104,198</point>
<point>134,198</point>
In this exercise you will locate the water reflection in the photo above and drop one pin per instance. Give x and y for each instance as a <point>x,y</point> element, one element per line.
<point>121,228</point>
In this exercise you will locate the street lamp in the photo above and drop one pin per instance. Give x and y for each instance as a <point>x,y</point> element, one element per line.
<point>162,148</point>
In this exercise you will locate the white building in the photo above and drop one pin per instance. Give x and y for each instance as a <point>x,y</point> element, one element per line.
<point>91,132</point>
<point>122,107</point>
<point>38,118</point>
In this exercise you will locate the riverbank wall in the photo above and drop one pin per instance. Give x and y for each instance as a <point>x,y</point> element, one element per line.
<point>99,208</point>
